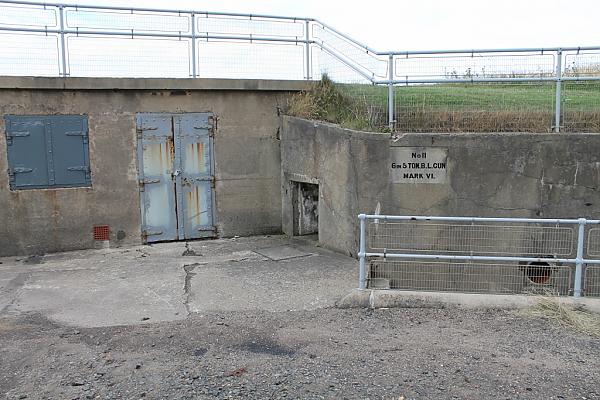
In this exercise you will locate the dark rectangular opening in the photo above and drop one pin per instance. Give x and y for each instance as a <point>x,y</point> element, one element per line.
<point>305,204</point>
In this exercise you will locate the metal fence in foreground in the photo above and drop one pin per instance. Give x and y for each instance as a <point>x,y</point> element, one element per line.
<point>447,90</point>
<point>480,255</point>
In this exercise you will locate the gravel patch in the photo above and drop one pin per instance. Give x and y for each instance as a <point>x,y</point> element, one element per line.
<point>448,353</point>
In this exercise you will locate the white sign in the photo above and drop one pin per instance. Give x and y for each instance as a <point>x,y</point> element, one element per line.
<point>418,164</point>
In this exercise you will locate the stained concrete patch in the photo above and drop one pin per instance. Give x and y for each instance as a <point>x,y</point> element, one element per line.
<point>280,253</point>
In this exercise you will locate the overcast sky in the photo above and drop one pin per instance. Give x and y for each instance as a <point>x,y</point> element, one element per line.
<point>425,24</point>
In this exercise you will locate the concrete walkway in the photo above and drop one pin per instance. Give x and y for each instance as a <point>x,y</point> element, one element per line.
<point>168,281</point>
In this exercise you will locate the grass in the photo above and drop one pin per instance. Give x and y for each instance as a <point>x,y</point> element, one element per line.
<point>566,315</point>
<point>522,107</point>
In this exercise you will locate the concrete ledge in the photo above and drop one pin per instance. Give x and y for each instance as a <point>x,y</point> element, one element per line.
<point>49,83</point>
<point>408,299</point>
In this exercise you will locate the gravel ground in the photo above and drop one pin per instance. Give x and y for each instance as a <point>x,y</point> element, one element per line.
<point>327,353</point>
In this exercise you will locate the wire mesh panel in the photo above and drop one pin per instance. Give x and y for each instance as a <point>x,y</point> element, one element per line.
<point>372,65</point>
<point>207,24</point>
<point>478,107</point>
<point>580,111</point>
<point>28,16</point>
<point>593,242</point>
<point>235,59</point>
<point>592,281</point>
<point>469,277</point>
<point>126,57</point>
<point>29,54</point>
<point>474,65</point>
<point>120,20</point>
<point>471,239</point>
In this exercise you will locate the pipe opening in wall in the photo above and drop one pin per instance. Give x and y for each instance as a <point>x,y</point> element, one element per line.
<point>539,272</point>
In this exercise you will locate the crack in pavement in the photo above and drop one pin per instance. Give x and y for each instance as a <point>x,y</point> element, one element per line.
<point>187,285</point>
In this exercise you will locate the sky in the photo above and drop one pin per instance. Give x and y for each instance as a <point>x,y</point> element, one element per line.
<point>424,24</point>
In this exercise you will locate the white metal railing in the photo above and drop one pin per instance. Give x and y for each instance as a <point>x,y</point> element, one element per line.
<point>491,242</point>
<point>83,40</point>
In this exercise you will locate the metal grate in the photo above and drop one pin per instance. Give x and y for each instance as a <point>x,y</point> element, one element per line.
<point>468,277</point>
<point>101,232</point>
<point>593,242</point>
<point>592,281</point>
<point>509,239</point>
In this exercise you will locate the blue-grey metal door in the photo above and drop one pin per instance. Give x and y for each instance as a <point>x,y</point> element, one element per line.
<point>176,176</point>
<point>193,136</point>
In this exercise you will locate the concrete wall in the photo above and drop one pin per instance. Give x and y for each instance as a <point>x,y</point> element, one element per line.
<point>501,175</point>
<point>247,157</point>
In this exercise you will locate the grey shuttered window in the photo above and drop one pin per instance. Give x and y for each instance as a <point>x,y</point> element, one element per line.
<point>47,151</point>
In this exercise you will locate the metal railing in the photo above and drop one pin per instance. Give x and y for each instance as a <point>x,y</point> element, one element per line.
<point>71,40</point>
<point>470,254</point>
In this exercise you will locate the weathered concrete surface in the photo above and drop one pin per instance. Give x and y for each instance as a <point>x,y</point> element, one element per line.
<point>247,157</point>
<point>157,283</point>
<point>27,82</point>
<point>495,175</point>
<point>409,299</point>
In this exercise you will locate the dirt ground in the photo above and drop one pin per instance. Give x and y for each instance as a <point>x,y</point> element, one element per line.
<point>255,318</point>
<point>327,353</point>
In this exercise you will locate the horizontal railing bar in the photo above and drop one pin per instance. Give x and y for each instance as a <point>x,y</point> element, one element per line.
<point>478,258</point>
<point>553,78</point>
<point>154,34</point>
<point>503,50</point>
<point>157,10</point>
<point>478,219</point>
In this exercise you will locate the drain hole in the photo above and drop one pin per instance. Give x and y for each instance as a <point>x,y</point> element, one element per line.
<point>539,272</point>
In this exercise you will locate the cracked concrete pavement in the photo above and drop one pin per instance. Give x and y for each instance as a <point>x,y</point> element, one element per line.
<point>168,281</point>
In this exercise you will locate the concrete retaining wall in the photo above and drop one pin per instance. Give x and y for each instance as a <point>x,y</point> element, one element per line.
<point>496,175</point>
<point>247,157</point>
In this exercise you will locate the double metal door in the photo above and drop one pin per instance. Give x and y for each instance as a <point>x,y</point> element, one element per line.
<point>175,176</point>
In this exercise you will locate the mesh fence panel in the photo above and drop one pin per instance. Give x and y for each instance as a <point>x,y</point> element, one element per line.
<point>592,281</point>
<point>228,25</point>
<point>374,66</point>
<point>28,16</point>
<point>469,239</point>
<point>474,65</point>
<point>478,107</point>
<point>231,59</point>
<point>469,277</point>
<point>29,54</point>
<point>125,20</point>
<point>125,57</point>
<point>580,110</point>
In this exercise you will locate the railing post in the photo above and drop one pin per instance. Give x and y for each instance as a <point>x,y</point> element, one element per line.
<point>307,54</point>
<point>579,259</point>
<point>194,67</point>
<point>558,96</point>
<point>63,47</point>
<point>362,273</point>
<point>391,92</point>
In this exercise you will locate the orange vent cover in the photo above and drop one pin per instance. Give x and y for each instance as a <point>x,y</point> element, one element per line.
<point>101,232</point>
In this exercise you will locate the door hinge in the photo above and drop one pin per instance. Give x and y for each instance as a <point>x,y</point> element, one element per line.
<point>142,183</point>
<point>139,131</point>
<point>145,234</point>
<point>83,134</point>
<point>11,135</point>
